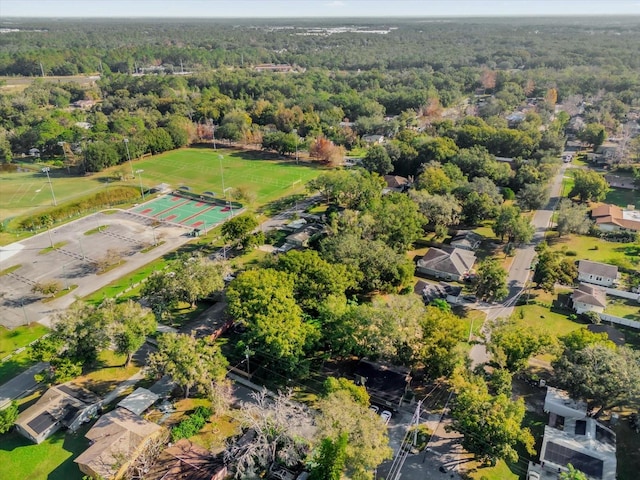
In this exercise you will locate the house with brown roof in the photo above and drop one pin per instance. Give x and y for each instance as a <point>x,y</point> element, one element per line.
<point>117,439</point>
<point>448,263</point>
<point>66,405</point>
<point>396,183</point>
<point>185,460</point>
<point>589,298</point>
<point>597,273</point>
<point>611,218</point>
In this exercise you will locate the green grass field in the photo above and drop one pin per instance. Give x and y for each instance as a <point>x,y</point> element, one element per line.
<point>11,340</point>
<point>202,169</point>
<point>594,249</point>
<point>623,197</point>
<point>26,192</point>
<point>51,460</point>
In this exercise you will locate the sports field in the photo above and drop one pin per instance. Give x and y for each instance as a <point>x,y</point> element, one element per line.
<point>206,169</point>
<point>25,192</point>
<point>190,213</point>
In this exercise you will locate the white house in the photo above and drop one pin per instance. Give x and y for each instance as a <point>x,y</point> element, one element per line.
<point>571,437</point>
<point>597,273</point>
<point>373,139</point>
<point>589,298</point>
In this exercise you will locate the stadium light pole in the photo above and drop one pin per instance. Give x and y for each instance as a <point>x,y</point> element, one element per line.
<point>295,131</point>
<point>139,172</point>
<point>221,172</point>
<point>226,198</point>
<point>53,195</point>
<point>66,160</point>
<point>84,257</point>
<point>126,146</point>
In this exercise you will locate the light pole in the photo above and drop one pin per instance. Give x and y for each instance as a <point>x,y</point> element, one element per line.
<point>84,257</point>
<point>213,133</point>
<point>46,170</point>
<point>126,146</point>
<point>295,131</point>
<point>139,172</point>
<point>221,172</point>
<point>227,199</point>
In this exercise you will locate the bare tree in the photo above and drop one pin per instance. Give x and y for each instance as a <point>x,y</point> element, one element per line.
<point>278,429</point>
<point>139,468</point>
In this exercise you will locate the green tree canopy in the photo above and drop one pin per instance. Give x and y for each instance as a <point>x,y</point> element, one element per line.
<point>588,186</point>
<point>189,361</point>
<point>491,281</point>
<point>513,342</point>
<point>491,425</point>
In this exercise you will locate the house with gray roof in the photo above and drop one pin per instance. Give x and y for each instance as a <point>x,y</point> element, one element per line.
<point>65,405</point>
<point>597,273</point>
<point>466,240</point>
<point>589,298</point>
<point>447,263</point>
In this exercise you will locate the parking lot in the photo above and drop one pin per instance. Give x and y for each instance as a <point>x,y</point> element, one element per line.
<point>80,246</point>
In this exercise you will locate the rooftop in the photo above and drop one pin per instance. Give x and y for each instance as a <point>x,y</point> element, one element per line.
<point>597,268</point>
<point>590,295</point>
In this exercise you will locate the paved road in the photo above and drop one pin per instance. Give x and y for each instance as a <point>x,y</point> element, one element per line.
<point>20,385</point>
<point>521,265</point>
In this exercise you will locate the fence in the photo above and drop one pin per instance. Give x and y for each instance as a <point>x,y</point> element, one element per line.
<point>620,321</point>
<point>623,294</point>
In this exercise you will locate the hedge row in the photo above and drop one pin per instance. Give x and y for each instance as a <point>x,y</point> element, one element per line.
<point>114,196</point>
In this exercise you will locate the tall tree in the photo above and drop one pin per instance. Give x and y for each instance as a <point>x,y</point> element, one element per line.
<point>398,223</point>
<point>8,417</point>
<point>442,331</point>
<point>603,376</point>
<point>492,426</point>
<point>190,362</point>
<point>377,160</point>
<point>237,229</point>
<point>533,196</point>
<point>130,324</point>
<point>491,281</point>
<point>330,459</point>
<point>552,267</point>
<point>368,443</point>
<point>263,300</point>
<point>514,226</point>
<point>588,186</point>
<point>572,218</point>
<point>513,342</point>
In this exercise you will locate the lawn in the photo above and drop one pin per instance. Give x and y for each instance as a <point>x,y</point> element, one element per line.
<point>28,191</point>
<point>546,319</point>
<point>623,197</point>
<point>51,460</point>
<point>11,340</point>
<point>205,169</point>
<point>594,249</point>
<point>108,374</point>
<point>15,365</point>
<point>623,308</point>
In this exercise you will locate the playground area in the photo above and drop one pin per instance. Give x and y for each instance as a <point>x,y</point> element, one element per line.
<point>203,213</point>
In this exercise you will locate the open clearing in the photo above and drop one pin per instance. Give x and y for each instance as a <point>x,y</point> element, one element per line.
<point>201,169</point>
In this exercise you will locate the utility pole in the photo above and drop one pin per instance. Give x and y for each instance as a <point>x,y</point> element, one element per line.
<point>139,172</point>
<point>126,145</point>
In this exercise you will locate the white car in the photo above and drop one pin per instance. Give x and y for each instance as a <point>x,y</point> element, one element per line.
<point>374,409</point>
<point>386,416</point>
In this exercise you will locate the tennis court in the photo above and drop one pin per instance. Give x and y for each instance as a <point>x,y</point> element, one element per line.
<point>184,211</point>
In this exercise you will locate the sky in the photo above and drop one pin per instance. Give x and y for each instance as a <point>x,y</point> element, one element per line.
<point>313,8</point>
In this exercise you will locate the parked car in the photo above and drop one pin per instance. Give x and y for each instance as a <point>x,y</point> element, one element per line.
<point>386,416</point>
<point>374,408</point>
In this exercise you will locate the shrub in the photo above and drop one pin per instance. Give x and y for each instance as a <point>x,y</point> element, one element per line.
<point>191,425</point>
<point>571,253</point>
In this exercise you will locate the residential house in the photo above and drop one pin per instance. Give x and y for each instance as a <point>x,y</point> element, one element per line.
<point>618,181</point>
<point>515,119</point>
<point>396,183</point>
<point>138,401</point>
<point>303,236</point>
<point>571,437</point>
<point>373,139</point>
<point>117,439</point>
<point>65,405</point>
<point>34,152</point>
<point>589,298</point>
<point>386,384</point>
<point>611,218</point>
<point>448,263</point>
<point>597,273</point>
<point>466,240</point>
<point>185,460</point>
<point>271,67</point>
